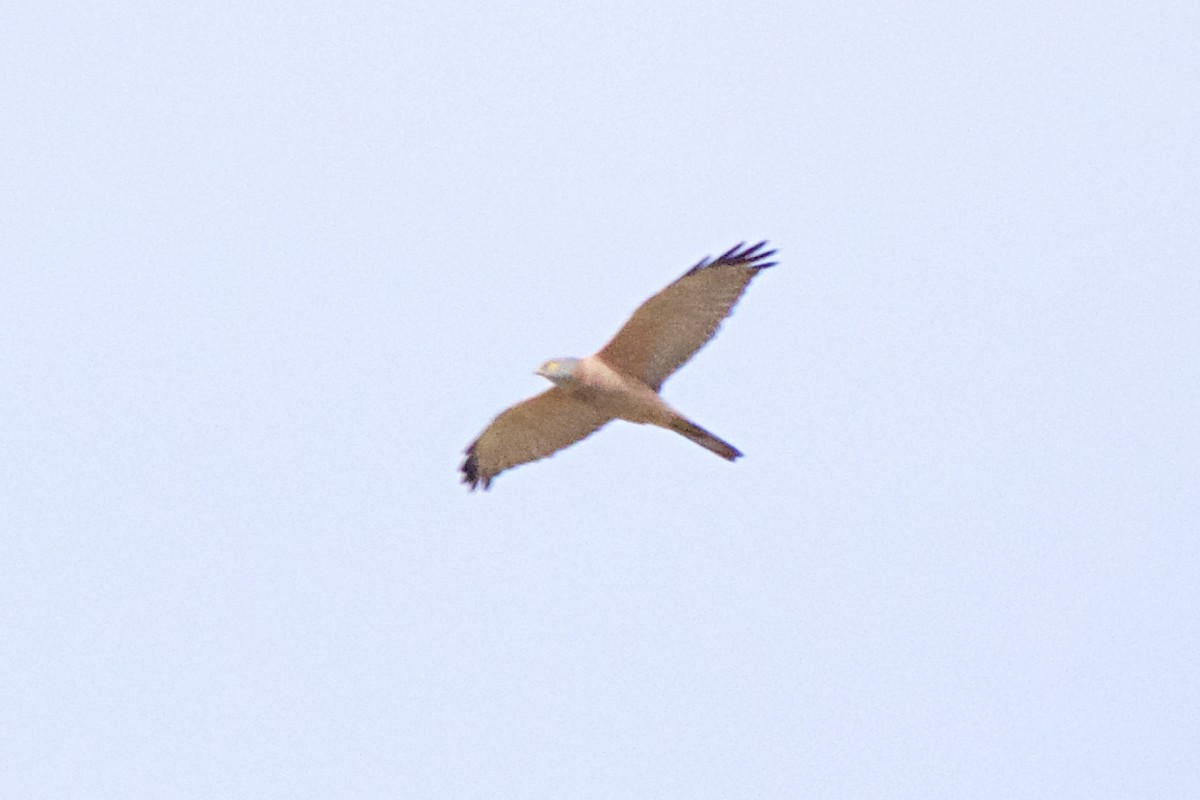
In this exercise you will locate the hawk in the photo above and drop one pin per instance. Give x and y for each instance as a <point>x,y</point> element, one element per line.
<point>623,379</point>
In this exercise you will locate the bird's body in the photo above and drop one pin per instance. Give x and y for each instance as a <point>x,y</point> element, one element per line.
<point>623,379</point>
<point>619,396</point>
<point>615,394</point>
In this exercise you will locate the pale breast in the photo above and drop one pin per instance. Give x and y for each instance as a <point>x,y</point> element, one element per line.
<point>620,395</point>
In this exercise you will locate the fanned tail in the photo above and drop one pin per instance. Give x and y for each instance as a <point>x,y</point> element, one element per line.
<point>705,439</point>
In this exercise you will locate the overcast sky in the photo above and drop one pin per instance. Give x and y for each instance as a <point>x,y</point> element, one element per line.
<point>267,268</point>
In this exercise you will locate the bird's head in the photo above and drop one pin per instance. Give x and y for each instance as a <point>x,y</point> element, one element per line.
<point>558,370</point>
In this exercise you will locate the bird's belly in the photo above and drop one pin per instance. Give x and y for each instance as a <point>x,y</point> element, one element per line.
<point>619,395</point>
<point>641,407</point>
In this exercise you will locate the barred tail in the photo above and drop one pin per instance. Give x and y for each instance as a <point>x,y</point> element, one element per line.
<point>705,439</point>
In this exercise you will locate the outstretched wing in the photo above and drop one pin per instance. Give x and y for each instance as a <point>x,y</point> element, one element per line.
<point>670,327</point>
<point>532,429</point>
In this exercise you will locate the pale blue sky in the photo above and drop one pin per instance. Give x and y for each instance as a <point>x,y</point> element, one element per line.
<point>267,269</point>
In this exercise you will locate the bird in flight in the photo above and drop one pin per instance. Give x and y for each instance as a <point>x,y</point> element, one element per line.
<point>623,379</point>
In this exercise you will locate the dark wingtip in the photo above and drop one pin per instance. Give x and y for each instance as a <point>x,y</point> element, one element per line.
<point>742,256</point>
<point>470,471</point>
<point>728,255</point>
<point>738,256</point>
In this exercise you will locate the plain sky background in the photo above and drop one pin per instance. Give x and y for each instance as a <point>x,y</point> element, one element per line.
<point>266,269</point>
